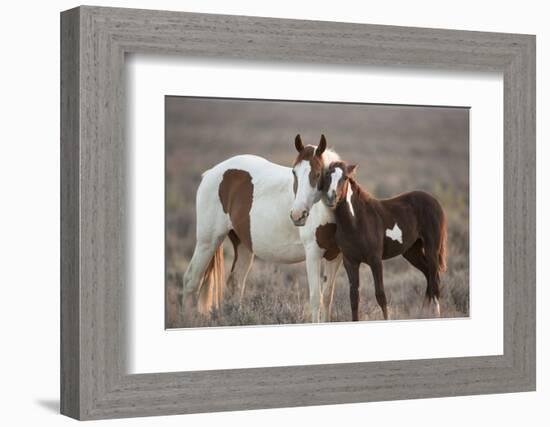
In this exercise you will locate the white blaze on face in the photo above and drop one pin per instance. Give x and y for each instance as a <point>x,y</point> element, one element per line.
<point>305,193</point>
<point>395,233</point>
<point>348,199</point>
<point>335,177</point>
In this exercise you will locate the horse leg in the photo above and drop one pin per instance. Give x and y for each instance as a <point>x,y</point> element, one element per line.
<point>232,280</point>
<point>242,263</point>
<point>415,256</point>
<point>377,274</point>
<point>430,306</point>
<point>329,278</point>
<point>202,255</point>
<point>352,269</point>
<point>432,294</point>
<point>313,267</point>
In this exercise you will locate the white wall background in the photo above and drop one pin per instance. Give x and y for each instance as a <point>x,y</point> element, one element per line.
<point>29,212</point>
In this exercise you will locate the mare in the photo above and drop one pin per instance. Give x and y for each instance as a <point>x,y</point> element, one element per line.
<point>269,211</point>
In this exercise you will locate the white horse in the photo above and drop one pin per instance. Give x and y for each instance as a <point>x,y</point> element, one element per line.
<point>248,199</point>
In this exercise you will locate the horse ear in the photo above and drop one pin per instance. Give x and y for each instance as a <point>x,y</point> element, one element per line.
<point>298,143</point>
<point>350,169</point>
<point>321,147</point>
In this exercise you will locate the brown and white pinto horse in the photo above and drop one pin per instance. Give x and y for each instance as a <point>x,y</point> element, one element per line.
<point>369,230</point>
<point>249,199</point>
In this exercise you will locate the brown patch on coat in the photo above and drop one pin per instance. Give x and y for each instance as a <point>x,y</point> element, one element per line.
<point>325,235</point>
<point>236,191</point>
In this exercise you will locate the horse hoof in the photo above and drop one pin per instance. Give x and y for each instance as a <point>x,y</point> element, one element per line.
<point>430,309</point>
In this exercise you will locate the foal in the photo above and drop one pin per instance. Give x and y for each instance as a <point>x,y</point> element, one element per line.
<point>369,230</point>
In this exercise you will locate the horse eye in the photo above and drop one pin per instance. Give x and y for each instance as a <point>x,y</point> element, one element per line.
<point>293,172</point>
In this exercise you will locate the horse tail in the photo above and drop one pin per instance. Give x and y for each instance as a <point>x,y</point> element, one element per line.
<point>211,285</point>
<point>442,264</point>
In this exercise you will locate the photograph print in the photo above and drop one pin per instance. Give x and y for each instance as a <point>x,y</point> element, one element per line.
<point>295,212</point>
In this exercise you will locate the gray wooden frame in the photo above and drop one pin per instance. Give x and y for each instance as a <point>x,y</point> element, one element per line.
<point>94,41</point>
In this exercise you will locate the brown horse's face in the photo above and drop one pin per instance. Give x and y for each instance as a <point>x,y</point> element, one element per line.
<point>336,181</point>
<point>308,174</point>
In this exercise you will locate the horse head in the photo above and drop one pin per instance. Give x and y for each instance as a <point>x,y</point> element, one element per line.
<point>308,169</point>
<point>336,182</point>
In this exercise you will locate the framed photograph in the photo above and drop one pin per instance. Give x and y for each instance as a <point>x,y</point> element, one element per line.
<point>262,213</point>
<point>267,250</point>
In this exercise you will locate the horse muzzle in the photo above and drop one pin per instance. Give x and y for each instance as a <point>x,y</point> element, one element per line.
<point>330,202</point>
<point>300,221</point>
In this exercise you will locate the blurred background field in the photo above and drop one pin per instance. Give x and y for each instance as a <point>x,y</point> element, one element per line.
<point>397,148</point>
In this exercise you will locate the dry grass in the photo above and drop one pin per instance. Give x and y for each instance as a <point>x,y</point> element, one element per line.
<point>397,148</point>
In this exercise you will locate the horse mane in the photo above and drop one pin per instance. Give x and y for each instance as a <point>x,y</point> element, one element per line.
<point>329,156</point>
<point>365,195</point>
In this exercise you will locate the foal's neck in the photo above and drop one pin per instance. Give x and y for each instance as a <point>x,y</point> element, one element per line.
<point>348,208</point>
<point>360,192</point>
